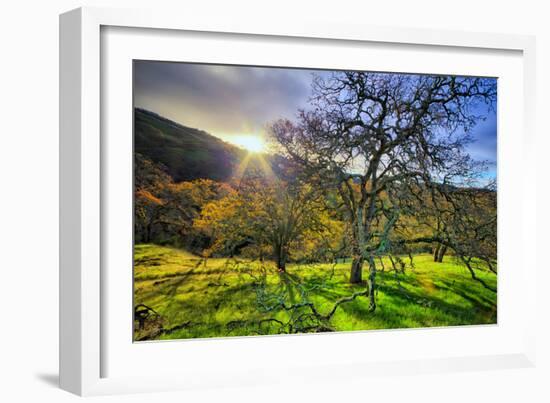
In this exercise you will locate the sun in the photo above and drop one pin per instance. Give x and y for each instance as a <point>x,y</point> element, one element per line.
<point>251,143</point>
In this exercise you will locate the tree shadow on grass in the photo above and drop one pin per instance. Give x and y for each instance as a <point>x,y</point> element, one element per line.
<point>408,305</point>
<point>199,312</point>
<point>468,293</point>
<point>214,309</point>
<point>459,314</point>
<point>291,284</point>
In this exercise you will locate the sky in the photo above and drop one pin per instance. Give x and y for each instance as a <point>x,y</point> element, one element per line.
<point>238,102</point>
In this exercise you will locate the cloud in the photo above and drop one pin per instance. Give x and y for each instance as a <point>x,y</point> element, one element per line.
<point>223,100</point>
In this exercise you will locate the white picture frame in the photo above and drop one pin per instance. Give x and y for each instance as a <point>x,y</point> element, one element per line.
<point>86,310</point>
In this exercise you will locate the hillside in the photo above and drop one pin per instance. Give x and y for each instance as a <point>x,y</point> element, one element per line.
<point>187,153</point>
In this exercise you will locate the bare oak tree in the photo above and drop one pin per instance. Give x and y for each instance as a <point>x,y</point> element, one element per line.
<point>368,134</point>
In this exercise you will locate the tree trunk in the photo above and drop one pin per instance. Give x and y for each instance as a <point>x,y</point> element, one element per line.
<point>382,263</point>
<point>282,254</point>
<point>392,263</point>
<point>441,253</point>
<point>281,265</point>
<point>372,284</point>
<point>148,232</point>
<point>356,275</point>
<point>436,252</point>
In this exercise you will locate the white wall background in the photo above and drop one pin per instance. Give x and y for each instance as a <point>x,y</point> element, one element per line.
<point>29,197</point>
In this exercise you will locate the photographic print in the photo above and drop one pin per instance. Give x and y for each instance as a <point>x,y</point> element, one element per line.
<point>272,200</point>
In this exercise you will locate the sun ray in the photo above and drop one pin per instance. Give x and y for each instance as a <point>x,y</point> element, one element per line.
<point>241,168</point>
<point>258,161</point>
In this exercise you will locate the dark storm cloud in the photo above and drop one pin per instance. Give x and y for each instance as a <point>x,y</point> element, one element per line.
<point>223,100</point>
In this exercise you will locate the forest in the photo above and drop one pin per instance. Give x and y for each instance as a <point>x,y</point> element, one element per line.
<point>364,211</point>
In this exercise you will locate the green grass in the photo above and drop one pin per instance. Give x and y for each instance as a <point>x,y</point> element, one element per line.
<point>219,298</point>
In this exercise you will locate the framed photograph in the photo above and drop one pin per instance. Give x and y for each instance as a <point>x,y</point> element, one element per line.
<point>242,202</point>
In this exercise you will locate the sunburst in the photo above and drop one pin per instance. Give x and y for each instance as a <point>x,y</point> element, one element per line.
<point>251,143</point>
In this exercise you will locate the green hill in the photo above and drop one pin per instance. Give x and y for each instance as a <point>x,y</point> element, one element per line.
<point>187,153</point>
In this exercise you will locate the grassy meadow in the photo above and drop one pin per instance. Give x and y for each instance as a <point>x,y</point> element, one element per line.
<point>194,298</point>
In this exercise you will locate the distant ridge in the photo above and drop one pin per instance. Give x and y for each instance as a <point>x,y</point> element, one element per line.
<point>188,153</point>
